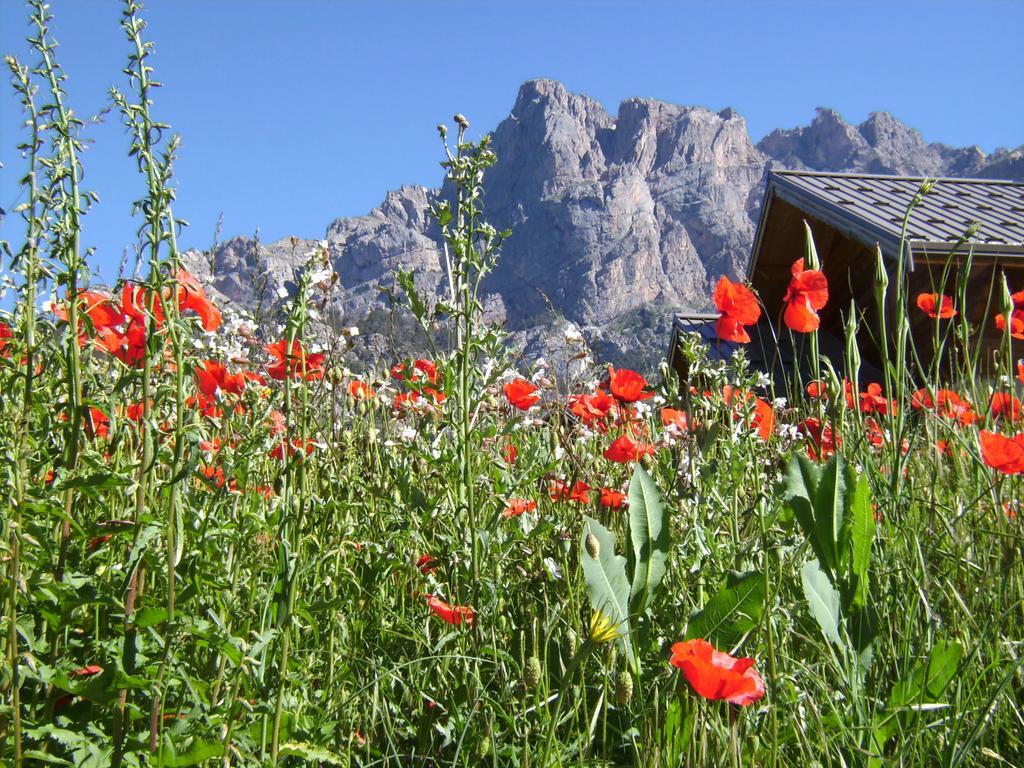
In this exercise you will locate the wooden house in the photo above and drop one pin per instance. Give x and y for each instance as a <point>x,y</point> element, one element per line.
<point>961,224</point>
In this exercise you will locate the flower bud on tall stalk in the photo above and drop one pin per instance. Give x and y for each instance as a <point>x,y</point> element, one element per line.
<point>470,251</point>
<point>34,211</point>
<point>159,234</point>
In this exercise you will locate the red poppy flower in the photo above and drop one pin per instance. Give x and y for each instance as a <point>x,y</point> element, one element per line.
<point>716,675</point>
<point>213,474</point>
<point>872,401</point>
<point>806,294</point>
<point>135,411</point>
<point>98,541</point>
<point>516,507</point>
<point>405,401</point>
<point>277,422</point>
<point>98,424</point>
<point>1005,406</point>
<point>1020,371</point>
<point>628,386</point>
<point>5,334</point>
<point>936,305</point>
<point>521,394</point>
<point>210,446</point>
<point>560,490</point>
<point>453,614</point>
<point>293,447</point>
<point>737,306</point>
<point>822,441</point>
<point>612,499</point>
<point>212,377</point>
<point>435,394</point>
<point>128,346</point>
<point>101,310</point>
<point>1004,454</point>
<point>874,433</point>
<point>360,390</point>
<point>89,671</point>
<point>763,416</point>
<point>207,406</point>
<point>295,363</point>
<point>625,449</point>
<point>670,417</point>
<point>192,296</point>
<point>135,301</point>
<point>426,564</point>
<point>1016,323</point>
<point>947,404</point>
<point>591,408</point>
<point>420,368</point>
<point>509,453</point>
<point>943,447</point>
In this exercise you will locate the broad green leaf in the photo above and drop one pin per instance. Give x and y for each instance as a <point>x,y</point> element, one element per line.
<point>196,752</point>
<point>607,584</point>
<point>649,532</point>
<point>829,512</point>
<point>149,616</point>
<point>822,599</point>
<point>734,610</point>
<point>925,683</point>
<point>861,525</point>
<point>803,478</point>
<point>928,679</point>
<point>312,752</point>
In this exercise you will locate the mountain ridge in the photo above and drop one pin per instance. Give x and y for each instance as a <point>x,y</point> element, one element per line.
<point>616,220</point>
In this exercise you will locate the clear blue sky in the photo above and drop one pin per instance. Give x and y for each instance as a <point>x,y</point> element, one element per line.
<point>295,112</point>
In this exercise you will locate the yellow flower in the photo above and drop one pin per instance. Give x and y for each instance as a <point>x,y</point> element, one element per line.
<point>602,629</point>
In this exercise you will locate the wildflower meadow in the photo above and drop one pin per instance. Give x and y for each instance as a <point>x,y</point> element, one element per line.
<point>223,544</point>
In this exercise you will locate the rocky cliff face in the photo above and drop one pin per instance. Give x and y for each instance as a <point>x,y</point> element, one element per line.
<point>616,220</point>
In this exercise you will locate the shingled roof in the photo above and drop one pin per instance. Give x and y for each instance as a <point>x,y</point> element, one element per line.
<point>871,208</point>
<point>972,228</point>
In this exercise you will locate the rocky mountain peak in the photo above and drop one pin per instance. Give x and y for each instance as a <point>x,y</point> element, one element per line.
<point>617,220</point>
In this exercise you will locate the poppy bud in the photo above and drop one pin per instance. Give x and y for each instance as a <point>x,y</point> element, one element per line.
<point>483,747</point>
<point>461,121</point>
<point>531,673</point>
<point>881,273</point>
<point>623,688</point>
<point>442,129</point>
<point>572,642</point>
<point>593,546</point>
<point>1007,305</point>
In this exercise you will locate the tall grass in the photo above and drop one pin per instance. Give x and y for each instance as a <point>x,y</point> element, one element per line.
<point>283,563</point>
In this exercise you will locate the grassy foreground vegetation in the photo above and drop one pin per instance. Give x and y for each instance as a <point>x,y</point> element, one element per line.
<point>222,547</point>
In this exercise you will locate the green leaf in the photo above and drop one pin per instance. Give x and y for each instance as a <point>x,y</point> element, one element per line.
<point>607,585</point>
<point>312,752</point>
<point>924,684</point>
<point>861,523</point>
<point>829,512</point>
<point>823,600</point>
<point>734,610</point>
<point>928,679</point>
<point>649,532</point>
<point>803,477</point>
<point>149,616</point>
<point>196,752</point>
